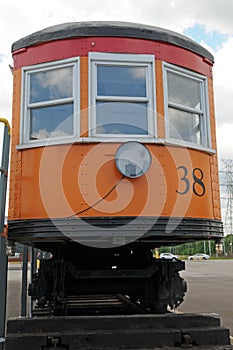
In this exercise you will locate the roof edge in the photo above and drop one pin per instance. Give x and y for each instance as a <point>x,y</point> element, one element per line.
<point>107,29</point>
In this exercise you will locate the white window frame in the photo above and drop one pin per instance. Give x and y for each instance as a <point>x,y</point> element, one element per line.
<point>137,60</point>
<point>203,113</point>
<point>25,141</point>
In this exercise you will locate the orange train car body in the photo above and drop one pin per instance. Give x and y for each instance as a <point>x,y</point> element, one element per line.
<point>63,182</point>
<point>113,146</point>
<point>54,177</point>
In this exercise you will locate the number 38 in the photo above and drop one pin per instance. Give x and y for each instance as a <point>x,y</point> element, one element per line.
<point>198,186</point>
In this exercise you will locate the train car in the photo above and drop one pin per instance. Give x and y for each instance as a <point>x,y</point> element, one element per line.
<point>113,154</point>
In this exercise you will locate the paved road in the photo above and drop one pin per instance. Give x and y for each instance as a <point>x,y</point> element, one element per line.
<point>210,289</point>
<point>13,308</point>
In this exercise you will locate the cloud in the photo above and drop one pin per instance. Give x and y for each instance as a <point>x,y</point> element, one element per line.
<point>22,18</point>
<point>177,14</point>
<point>2,57</point>
<point>225,145</point>
<point>6,88</point>
<point>214,15</point>
<point>223,88</point>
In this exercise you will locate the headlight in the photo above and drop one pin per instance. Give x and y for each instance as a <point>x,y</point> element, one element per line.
<point>132,159</point>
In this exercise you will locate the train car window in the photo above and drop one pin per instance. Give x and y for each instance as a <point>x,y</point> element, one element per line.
<point>186,106</point>
<point>50,102</point>
<point>122,95</point>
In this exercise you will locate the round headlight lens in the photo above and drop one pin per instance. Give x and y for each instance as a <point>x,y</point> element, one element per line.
<point>132,159</point>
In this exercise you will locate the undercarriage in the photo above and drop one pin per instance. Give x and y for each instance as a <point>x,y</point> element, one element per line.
<point>110,299</point>
<point>129,276</point>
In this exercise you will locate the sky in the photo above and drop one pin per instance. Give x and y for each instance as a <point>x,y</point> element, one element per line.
<point>206,21</point>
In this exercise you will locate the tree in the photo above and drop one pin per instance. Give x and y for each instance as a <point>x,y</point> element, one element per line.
<point>228,241</point>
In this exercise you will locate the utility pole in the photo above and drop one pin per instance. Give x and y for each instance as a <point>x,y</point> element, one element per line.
<point>227,190</point>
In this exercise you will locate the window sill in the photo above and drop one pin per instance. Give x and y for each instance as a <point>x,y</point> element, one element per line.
<point>172,143</point>
<point>185,144</point>
<point>45,143</point>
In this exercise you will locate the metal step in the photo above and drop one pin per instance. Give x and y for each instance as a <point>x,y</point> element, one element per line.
<point>117,332</point>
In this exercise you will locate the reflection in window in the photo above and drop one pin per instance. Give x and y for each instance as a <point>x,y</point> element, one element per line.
<point>121,81</point>
<point>184,91</point>
<point>53,121</point>
<point>121,118</point>
<point>186,106</point>
<point>122,95</point>
<point>49,112</point>
<point>184,126</point>
<point>51,85</point>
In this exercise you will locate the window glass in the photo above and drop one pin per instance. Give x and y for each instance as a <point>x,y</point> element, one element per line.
<point>50,102</point>
<point>50,85</point>
<point>121,81</point>
<point>121,118</point>
<point>184,126</point>
<point>184,91</point>
<point>51,121</point>
<point>186,106</point>
<point>122,95</point>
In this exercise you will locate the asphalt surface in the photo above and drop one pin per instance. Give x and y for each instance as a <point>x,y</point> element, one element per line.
<point>13,307</point>
<point>210,289</point>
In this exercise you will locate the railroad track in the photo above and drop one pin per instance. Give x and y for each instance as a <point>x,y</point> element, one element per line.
<point>107,322</point>
<point>92,305</point>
